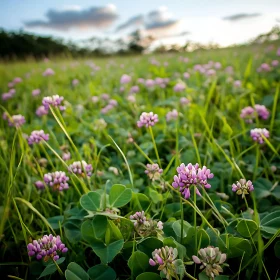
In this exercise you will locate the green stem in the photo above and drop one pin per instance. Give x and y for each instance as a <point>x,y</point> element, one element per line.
<point>182,219</point>
<point>188,275</point>
<point>58,268</point>
<point>155,146</point>
<point>194,222</point>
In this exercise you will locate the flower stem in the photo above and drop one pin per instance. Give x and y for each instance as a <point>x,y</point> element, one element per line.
<point>58,268</point>
<point>194,222</point>
<point>155,146</point>
<point>182,219</point>
<point>188,275</point>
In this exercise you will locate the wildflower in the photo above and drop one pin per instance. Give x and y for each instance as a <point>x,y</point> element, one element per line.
<point>57,180</point>
<point>141,81</point>
<point>211,260</point>
<point>153,171</point>
<point>131,98</point>
<point>262,111</point>
<point>165,257</point>
<point>11,84</point>
<point>99,124</point>
<point>113,102</point>
<point>36,92</point>
<point>258,134</point>
<point>278,52</point>
<point>184,101</point>
<point>274,63</point>
<point>248,113</point>
<point>149,83</point>
<point>54,101</point>
<point>114,170</point>
<point>125,79</point>
<point>6,96</point>
<point>48,247</point>
<point>237,83</point>
<point>186,75</point>
<point>179,87</point>
<point>264,68</point>
<point>17,80</point>
<point>134,89</point>
<point>75,82</point>
<point>66,156</point>
<point>243,187</point>
<point>191,175</point>
<point>172,115</point>
<point>218,65</point>
<point>107,108</point>
<point>15,120</point>
<point>80,168</point>
<point>147,119</point>
<point>48,72</point>
<point>105,96</point>
<point>95,99</point>
<point>37,136</point>
<point>139,218</point>
<point>39,185</point>
<point>41,111</point>
<point>210,72</point>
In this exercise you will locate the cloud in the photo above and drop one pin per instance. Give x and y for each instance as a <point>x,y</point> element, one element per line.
<point>75,17</point>
<point>241,16</point>
<point>134,21</point>
<point>160,19</point>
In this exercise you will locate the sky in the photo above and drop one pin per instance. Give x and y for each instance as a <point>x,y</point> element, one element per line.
<point>171,21</point>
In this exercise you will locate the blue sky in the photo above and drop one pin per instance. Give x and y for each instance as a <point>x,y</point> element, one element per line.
<point>221,21</point>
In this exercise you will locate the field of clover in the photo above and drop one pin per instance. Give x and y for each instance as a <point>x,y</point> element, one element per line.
<point>145,167</point>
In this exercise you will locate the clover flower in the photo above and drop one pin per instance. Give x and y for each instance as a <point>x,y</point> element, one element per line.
<point>80,168</point>
<point>243,187</point>
<point>57,180</point>
<point>17,80</point>
<point>248,113</point>
<point>153,171</point>
<point>274,63</point>
<point>54,101</point>
<point>48,247</point>
<point>172,115</point>
<point>36,92</point>
<point>184,101</point>
<point>41,111</point>
<point>39,185</point>
<point>191,175</point>
<point>179,87</point>
<point>211,260</point>
<point>125,79</point>
<point>37,136</point>
<point>15,120</point>
<point>139,218</point>
<point>262,111</point>
<point>237,83</point>
<point>165,258</point>
<point>134,89</point>
<point>147,119</point>
<point>48,72</point>
<point>66,156</point>
<point>149,83</point>
<point>75,82</point>
<point>186,75</point>
<point>258,134</point>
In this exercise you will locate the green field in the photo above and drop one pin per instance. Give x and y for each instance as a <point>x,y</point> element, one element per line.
<point>93,217</point>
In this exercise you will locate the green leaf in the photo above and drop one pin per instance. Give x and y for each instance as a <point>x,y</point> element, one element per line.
<point>72,230</point>
<point>179,267</point>
<point>270,224</point>
<point>56,221</point>
<point>112,233</point>
<point>247,227</point>
<point>107,253</point>
<point>51,268</point>
<point>148,276</point>
<point>102,272</point>
<point>277,249</point>
<point>262,188</point>
<point>148,245</point>
<point>154,195</point>
<point>171,242</point>
<point>138,263</point>
<point>119,195</point>
<point>177,228</point>
<point>139,202</point>
<point>91,201</point>
<point>238,247</point>
<point>75,272</point>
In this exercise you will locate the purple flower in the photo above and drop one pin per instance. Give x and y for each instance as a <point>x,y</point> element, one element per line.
<point>105,96</point>
<point>172,115</point>
<point>264,68</point>
<point>6,96</point>
<point>41,111</point>
<point>147,119</point>
<point>184,101</point>
<point>153,171</point>
<point>186,75</point>
<point>278,52</point>
<point>54,101</point>
<point>113,102</point>
<point>57,180</point>
<point>39,185</point>
<point>134,89</point>
<point>258,134</point>
<point>36,92</point>
<point>262,111</point>
<point>149,83</point>
<point>66,156</point>
<point>274,63</point>
<point>107,108</point>
<point>15,120</point>
<point>248,113</point>
<point>48,72</point>
<point>139,218</point>
<point>179,87</point>
<point>75,82</point>
<point>243,187</point>
<point>237,83</point>
<point>125,79</point>
<point>210,72</point>
<point>191,175</point>
<point>80,168</point>
<point>17,80</point>
<point>48,247</point>
<point>37,136</point>
<point>95,99</point>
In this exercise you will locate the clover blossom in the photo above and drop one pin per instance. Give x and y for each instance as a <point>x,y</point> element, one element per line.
<point>41,111</point>
<point>262,111</point>
<point>191,175</point>
<point>211,260</point>
<point>258,134</point>
<point>57,180</point>
<point>36,92</point>
<point>147,119</point>
<point>54,101</point>
<point>15,120</point>
<point>243,187</point>
<point>37,136</point>
<point>172,115</point>
<point>48,247</point>
<point>153,171</point>
<point>80,168</point>
<point>125,79</point>
<point>48,72</point>
<point>165,258</point>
